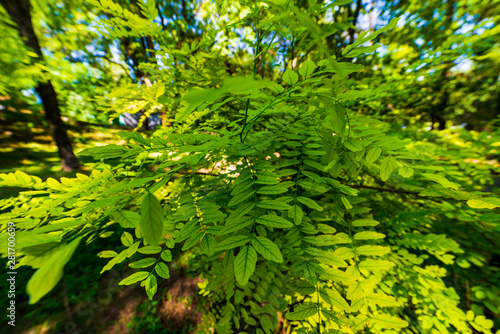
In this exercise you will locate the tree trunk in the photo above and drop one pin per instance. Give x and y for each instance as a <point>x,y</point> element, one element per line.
<point>19,11</point>
<point>355,15</point>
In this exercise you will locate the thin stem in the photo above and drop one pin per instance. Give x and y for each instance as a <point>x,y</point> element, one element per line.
<point>244,122</point>
<point>266,50</point>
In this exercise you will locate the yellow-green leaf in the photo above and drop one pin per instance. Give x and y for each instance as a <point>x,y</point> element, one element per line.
<point>387,167</point>
<point>307,68</point>
<point>151,219</point>
<point>368,235</point>
<point>290,77</point>
<point>302,312</point>
<point>484,203</point>
<point>47,276</point>
<point>135,277</point>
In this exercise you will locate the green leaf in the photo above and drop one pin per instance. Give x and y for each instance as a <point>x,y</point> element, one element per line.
<point>327,258</point>
<point>344,253</point>
<point>406,172</point>
<point>326,229</point>
<point>363,38</point>
<point>296,214</point>
<point>354,145</point>
<point>237,214</point>
<point>151,286</point>
<point>304,288</point>
<point>375,265</point>
<point>195,97</point>
<point>309,203</point>
<point>127,219</point>
<point>117,259</point>
<point>290,77</point>
<point>328,240</point>
<point>107,254</point>
<point>440,179</point>
<point>313,187</point>
<point>47,276</point>
<point>243,85</point>
<point>302,312</point>
<point>387,167</point>
<point>241,197</point>
<point>307,68</point>
<point>272,190</point>
<point>364,222</point>
<point>368,235</point>
<point>336,275</point>
<point>166,255</point>
<point>273,205</point>
<point>207,244</point>
<point>354,291</point>
<point>105,152</point>
<point>373,154</point>
<point>135,277</point>
<point>150,250</point>
<point>244,264</point>
<point>381,300</point>
<point>267,249</point>
<point>274,221</point>
<point>232,242</point>
<point>361,50</point>
<point>345,68</point>
<point>188,230</point>
<point>143,263</point>
<point>127,239</point>
<point>371,250</point>
<point>151,219</point>
<point>334,298</point>
<point>337,119</point>
<point>162,270</point>
<point>192,241</point>
<point>266,177</point>
<point>346,202</point>
<point>388,321</point>
<point>353,94</point>
<point>242,186</point>
<point>133,248</point>
<point>236,225</point>
<point>484,203</point>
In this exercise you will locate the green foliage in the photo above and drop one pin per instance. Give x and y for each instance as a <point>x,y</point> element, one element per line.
<point>299,205</point>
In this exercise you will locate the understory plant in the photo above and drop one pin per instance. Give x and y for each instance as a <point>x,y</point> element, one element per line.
<point>303,211</point>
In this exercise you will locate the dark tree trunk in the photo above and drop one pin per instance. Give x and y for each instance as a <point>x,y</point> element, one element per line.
<point>19,11</point>
<point>56,126</point>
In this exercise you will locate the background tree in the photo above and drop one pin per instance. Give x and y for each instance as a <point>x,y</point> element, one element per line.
<point>20,13</point>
